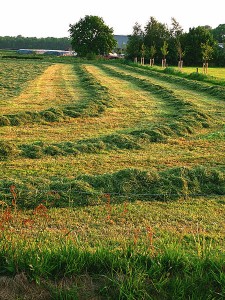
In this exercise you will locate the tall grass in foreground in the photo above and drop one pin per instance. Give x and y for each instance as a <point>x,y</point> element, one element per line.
<point>60,261</point>
<point>127,274</point>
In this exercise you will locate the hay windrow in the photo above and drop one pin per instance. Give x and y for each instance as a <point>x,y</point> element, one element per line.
<point>167,185</point>
<point>189,82</point>
<point>96,101</point>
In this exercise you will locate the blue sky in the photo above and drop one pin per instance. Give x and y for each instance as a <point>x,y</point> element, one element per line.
<point>44,18</point>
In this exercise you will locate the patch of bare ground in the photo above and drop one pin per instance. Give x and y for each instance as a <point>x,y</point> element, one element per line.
<point>19,287</point>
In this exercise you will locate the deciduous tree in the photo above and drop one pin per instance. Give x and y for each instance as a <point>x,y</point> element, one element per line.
<point>219,33</point>
<point>135,42</point>
<point>175,46</point>
<point>90,35</point>
<point>164,50</point>
<point>155,34</point>
<point>207,52</point>
<point>192,42</point>
<point>152,53</point>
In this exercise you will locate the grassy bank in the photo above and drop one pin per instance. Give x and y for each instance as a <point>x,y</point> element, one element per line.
<point>134,250</point>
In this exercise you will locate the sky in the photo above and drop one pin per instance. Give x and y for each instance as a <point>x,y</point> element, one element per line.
<point>51,18</point>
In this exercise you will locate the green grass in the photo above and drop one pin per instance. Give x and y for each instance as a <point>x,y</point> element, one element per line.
<point>111,182</point>
<point>191,81</point>
<point>215,72</point>
<point>167,185</point>
<point>137,250</point>
<point>214,75</point>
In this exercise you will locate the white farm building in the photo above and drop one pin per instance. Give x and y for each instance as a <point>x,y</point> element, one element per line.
<point>46,52</point>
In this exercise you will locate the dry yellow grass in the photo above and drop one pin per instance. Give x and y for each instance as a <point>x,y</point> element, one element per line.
<point>54,87</point>
<point>117,223</point>
<point>131,107</point>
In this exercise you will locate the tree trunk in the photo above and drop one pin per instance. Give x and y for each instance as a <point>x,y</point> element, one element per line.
<point>180,64</point>
<point>151,62</point>
<point>205,67</point>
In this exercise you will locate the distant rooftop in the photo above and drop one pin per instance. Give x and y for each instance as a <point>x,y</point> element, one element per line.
<point>121,40</point>
<point>45,51</point>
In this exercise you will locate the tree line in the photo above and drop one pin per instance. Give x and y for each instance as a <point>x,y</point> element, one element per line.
<point>20,42</point>
<point>157,42</point>
<point>91,37</point>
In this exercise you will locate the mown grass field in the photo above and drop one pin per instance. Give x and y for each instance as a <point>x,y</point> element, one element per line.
<point>216,72</point>
<point>111,182</point>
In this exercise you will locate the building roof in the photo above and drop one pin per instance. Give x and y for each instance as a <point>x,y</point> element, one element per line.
<point>121,40</point>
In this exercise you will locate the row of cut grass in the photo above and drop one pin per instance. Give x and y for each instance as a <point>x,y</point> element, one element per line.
<point>184,152</point>
<point>165,185</point>
<point>176,152</point>
<point>186,112</point>
<point>15,76</point>
<point>148,110</point>
<point>212,89</point>
<point>96,98</point>
<point>202,100</point>
<point>55,85</point>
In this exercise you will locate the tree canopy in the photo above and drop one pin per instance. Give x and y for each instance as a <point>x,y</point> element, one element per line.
<point>156,34</point>
<point>179,44</point>
<point>17,42</point>
<point>135,42</point>
<point>193,41</point>
<point>219,33</point>
<point>90,35</point>
<point>153,37</point>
